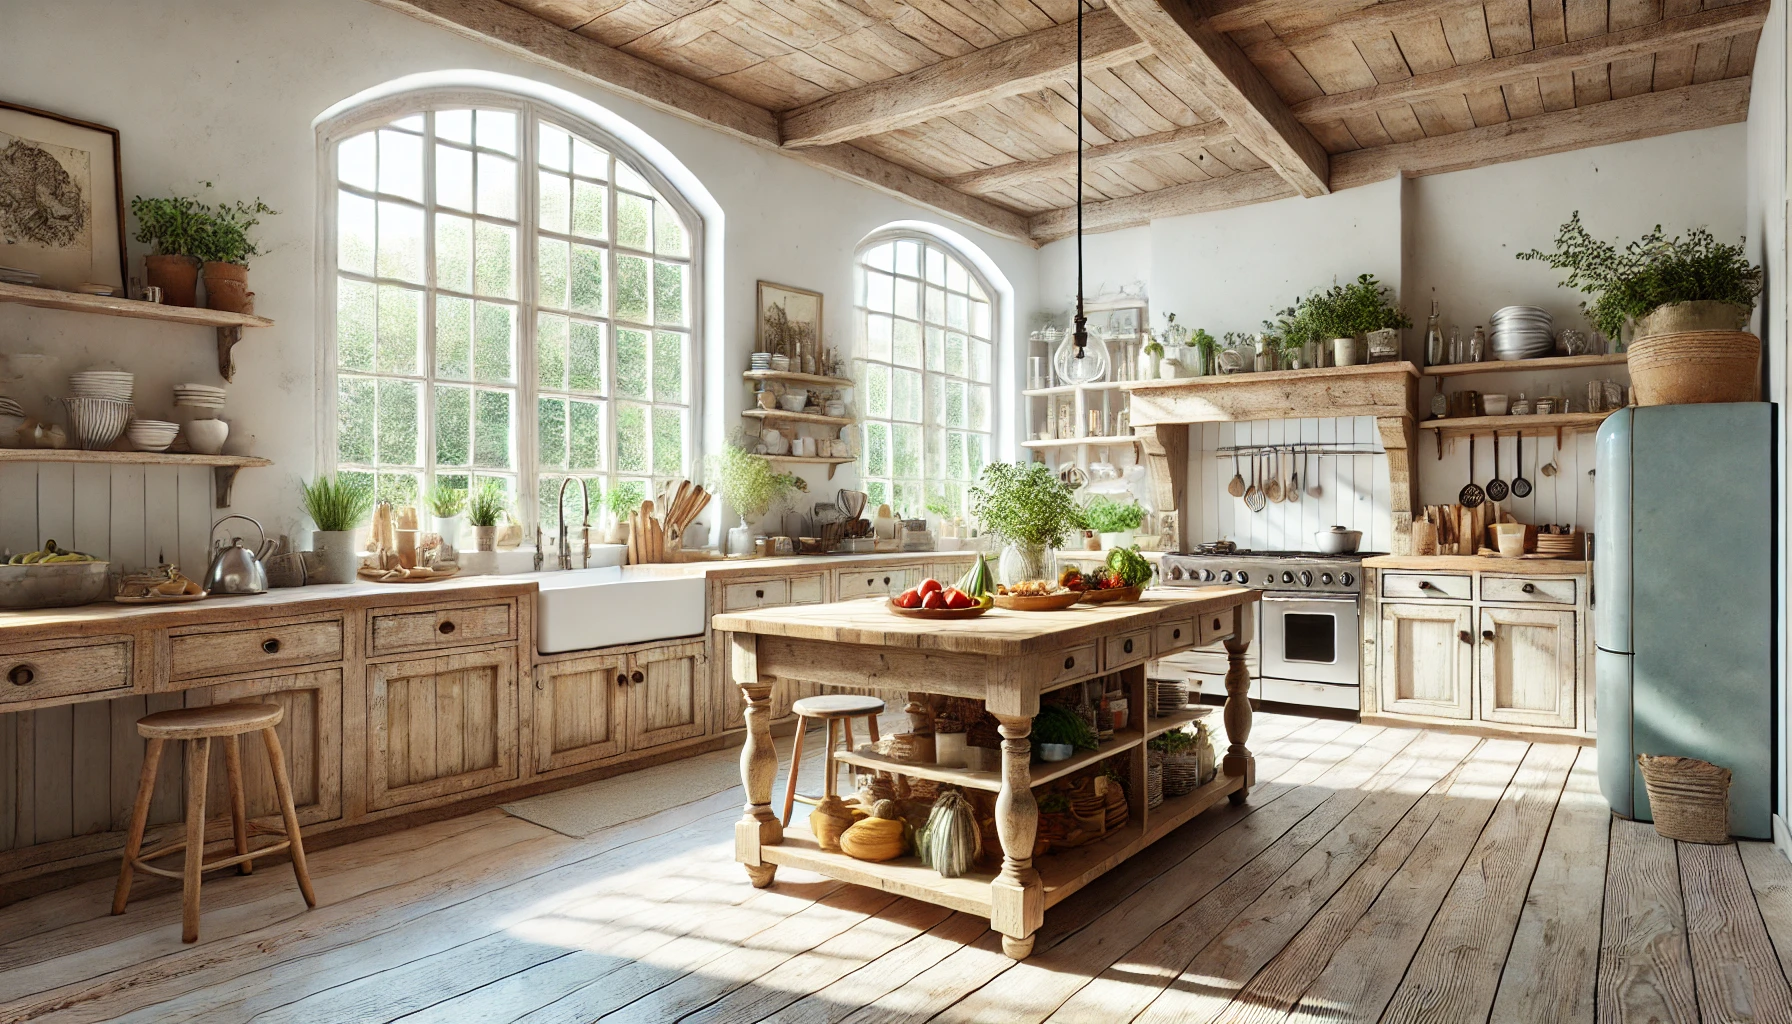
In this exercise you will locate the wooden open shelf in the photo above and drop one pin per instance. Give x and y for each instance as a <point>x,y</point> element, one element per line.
<point>814,460</point>
<point>788,377</point>
<point>228,325</point>
<point>1073,442</point>
<point>1156,726</point>
<point>1527,365</point>
<point>223,467</point>
<point>1528,426</point>
<point>1039,774</point>
<point>798,417</point>
<point>1071,389</point>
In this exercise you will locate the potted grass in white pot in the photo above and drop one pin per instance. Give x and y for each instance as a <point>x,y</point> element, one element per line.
<point>337,508</point>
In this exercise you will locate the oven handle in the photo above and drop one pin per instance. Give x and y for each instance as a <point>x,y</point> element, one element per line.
<point>1293,598</point>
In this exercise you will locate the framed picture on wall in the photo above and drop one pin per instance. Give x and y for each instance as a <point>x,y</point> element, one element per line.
<point>788,317</point>
<point>61,200</point>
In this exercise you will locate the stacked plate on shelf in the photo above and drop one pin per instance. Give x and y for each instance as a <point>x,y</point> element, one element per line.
<point>1522,332</point>
<point>113,385</point>
<point>761,361</point>
<point>12,417</point>
<point>14,275</point>
<point>204,399</point>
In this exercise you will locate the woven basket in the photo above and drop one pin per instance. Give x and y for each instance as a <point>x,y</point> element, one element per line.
<point>1154,779</point>
<point>1689,798</point>
<point>1182,774</point>
<point>1696,367</point>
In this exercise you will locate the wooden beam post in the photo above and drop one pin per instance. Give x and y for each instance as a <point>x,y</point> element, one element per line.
<point>1001,176</point>
<point>1245,99</point>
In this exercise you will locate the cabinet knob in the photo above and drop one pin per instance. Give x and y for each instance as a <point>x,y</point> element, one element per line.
<point>758,593</point>
<point>1529,588</point>
<point>271,646</point>
<point>1464,636</point>
<point>1486,636</point>
<point>621,679</point>
<point>1070,662</point>
<point>1427,585</point>
<point>1176,634</point>
<point>886,581</point>
<point>1127,645</point>
<point>21,675</point>
<point>636,676</point>
<point>445,628</point>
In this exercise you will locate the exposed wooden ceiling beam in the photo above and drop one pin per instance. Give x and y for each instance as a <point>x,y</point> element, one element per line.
<point>1260,120</point>
<point>1014,66</point>
<point>1702,27</point>
<point>1624,120</point>
<point>1001,176</point>
<point>1234,15</point>
<point>1347,23</point>
<point>530,38</point>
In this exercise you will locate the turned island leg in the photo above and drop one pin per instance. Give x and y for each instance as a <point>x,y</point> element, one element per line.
<point>1238,760</point>
<point>758,764</point>
<point>1017,897</point>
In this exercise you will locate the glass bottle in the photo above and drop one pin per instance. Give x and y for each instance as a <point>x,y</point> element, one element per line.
<point>1477,345</point>
<point>1435,353</point>
<point>1440,403</point>
<point>1457,355</point>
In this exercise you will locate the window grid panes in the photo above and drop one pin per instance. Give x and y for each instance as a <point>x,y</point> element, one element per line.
<point>926,338</point>
<point>514,303</point>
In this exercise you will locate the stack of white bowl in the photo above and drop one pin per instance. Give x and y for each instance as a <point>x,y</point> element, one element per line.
<point>151,435</point>
<point>1522,332</point>
<point>101,406</point>
<point>12,417</point>
<point>112,385</point>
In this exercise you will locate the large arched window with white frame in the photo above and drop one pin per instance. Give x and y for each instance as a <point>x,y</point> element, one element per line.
<point>515,298</point>
<point>926,324</point>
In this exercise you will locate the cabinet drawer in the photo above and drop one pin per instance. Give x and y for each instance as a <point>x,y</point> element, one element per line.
<point>1127,649</point>
<point>1528,591</point>
<point>1216,626</point>
<point>1173,636</point>
<point>891,579</point>
<point>65,668</point>
<point>229,652</point>
<point>438,628</point>
<point>1399,586</point>
<point>1076,663</point>
<point>810,589</point>
<point>738,597</point>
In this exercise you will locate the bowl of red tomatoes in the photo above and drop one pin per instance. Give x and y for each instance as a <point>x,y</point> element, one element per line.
<point>931,599</point>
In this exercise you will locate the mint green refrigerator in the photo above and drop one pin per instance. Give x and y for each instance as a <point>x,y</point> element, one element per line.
<point>1684,616</point>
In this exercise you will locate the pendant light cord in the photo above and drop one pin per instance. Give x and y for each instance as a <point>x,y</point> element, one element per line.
<point>1081,330</point>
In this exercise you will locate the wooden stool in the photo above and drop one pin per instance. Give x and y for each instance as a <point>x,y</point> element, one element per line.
<point>834,708</point>
<point>197,726</point>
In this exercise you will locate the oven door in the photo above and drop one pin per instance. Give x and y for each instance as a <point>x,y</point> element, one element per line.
<point>1311,638</point>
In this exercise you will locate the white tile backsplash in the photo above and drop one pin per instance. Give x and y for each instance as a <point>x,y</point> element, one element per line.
<point>1354,488</point>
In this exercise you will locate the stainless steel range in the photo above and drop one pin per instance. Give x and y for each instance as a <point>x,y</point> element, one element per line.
<point>1309,624</point>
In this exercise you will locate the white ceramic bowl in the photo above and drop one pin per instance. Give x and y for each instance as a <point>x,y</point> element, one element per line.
<point>793,403</point>
<point>1494,405</point>
<point>151,435</point>
<point>1337,540</point>
<point>207,436</point>
<point>96,422</point>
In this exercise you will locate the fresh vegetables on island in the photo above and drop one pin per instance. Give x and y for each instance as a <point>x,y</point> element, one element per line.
<point>931,593</point>
<point>1125,567</point>
<point>977,581</point>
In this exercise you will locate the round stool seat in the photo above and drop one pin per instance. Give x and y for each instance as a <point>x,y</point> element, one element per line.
<point>217,720</point>
<point>837,705</point>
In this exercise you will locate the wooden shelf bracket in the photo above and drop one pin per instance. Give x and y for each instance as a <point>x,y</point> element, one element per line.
<point>223,479</point>
<point>227,339</point>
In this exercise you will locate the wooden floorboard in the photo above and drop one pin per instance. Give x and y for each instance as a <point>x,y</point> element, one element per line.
<point>1375,874</point>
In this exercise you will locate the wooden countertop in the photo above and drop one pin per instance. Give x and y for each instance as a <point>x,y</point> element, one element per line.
<point>998,633</point>
<point>1480,563</point>
<point>733,567</point>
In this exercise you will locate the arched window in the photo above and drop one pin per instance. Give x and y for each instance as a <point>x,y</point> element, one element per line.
<point>927,343</point>
<point>515,298</point>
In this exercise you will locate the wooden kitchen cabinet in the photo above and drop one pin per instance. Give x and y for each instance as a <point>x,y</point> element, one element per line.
<point>440,726</point>
<point>1527,659</point>
<point>580,711</point>
<point>310,734</point>
<point>797,588</point>
<point>1427,660</point>
<point>668,694</point>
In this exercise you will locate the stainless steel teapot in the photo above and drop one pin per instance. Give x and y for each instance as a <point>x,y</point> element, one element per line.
<point>236,569</point>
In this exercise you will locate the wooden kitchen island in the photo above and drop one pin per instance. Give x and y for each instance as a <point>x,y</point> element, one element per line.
<point>1007,659</point>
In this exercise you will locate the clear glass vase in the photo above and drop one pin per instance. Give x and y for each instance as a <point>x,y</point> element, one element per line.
<point>740,539</point>
<point>1022,562</point>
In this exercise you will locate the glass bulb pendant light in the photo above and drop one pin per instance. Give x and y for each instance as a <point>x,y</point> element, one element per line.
<point>1076,361</point>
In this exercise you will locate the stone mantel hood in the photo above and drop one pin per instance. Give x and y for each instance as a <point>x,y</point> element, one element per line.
<point>1388,392</point>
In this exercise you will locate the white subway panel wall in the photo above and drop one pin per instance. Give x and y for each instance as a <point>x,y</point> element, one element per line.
<point>129,515</point>
<point>1353,488</point>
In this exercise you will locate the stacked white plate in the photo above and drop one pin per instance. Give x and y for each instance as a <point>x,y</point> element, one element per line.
<point>12,417</point>
<point>761,361</point>
<point>114,385</point>
<point>202,398</point>
<point>1522,332</point>
<point>15,275</point>
<point>151,435</point>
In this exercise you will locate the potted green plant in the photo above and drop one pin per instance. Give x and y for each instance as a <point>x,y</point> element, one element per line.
<point>749,485</point>
<point>1687,301</point>
<point>1114,520</point>
<point>485,508</point>
<point>619,504</point>
<point>1348,313</point>
<point>1151,355</point>
<point>447,503</point>
<point>225,248</point>
<point>1032,510</point>
<point>173,227</point>
<point>942,510</point>
<point>336,507</point>
<point>1200,352</point>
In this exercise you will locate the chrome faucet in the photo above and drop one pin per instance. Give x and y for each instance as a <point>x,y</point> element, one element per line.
<point>584,524</point>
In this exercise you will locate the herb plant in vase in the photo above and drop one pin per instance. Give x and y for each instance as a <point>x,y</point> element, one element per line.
<point>336,507</point>
<point>1032,510</point>
<point>1343,314</point>
<point>1199,353</point>
<point>173,227</point>
<point>619,504</point>
<point>1114,520</point>
<point>485,509</point>
<point>1687,299</point>
<point>447,503</point>
<point>749,485</point>
<point>225,249</point>
<point>1151,356</point>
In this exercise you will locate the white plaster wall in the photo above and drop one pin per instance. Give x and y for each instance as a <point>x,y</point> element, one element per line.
<point>227,91</point>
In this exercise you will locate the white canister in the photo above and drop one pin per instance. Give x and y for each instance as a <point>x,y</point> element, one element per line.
<point>1343,351</point>
<point>948,750</point>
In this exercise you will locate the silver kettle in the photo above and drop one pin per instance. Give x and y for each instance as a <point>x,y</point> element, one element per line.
<point>236,569</point>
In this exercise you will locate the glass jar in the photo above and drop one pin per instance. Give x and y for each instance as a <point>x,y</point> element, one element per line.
<point>1477,345</point>
<point>1457,352</point>
<point>1521,406</point>
<point>1021,562</point>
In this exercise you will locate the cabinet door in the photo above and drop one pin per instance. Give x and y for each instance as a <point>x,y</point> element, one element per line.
<point>580,711</point>
<point>1427,664</point>
<point>440,726</point>
<point>310,735</point>
<point>670,694</point>
<point>1527,672</point>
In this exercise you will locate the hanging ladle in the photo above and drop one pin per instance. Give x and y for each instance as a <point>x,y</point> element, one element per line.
<point>1471,495</point>
<point>1236,487</point>
<point>1521,488</point>
<point>1496,488</point>
<point>1294,479</point>
<point>1314,488</point>
<point>1274,493</point>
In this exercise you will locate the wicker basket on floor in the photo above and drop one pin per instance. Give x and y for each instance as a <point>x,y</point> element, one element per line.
<point>1182,773</point>
<point>1689,798</point>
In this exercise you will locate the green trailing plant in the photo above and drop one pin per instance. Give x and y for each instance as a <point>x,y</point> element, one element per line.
<point>187,226</point>
<point>1175,741</point>
<point>446,500</point>
<point>1105,515</point>
<point>1343,311</point>
<point>335,504</point>
<point>1651,272</point>
<point>747,482</point>
<point>1026,503</point>
<point>624,497</point>
<point>488,504</point>
<point>1059,723</point>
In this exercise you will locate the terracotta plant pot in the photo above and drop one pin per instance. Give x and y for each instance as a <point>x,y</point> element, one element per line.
<point>177,276</point>
<point>227,287</point>
<point>1696,367</point>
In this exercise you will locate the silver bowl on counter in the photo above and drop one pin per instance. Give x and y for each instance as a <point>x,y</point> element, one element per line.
<point>57,585</point>
<point>1337,541</point>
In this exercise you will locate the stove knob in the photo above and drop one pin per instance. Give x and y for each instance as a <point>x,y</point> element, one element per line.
<point>1287,577</point>
<point>1176,572</point>
<point>1325,578</point>
<point>1306,578</point>
<point>1226,575</point>
<point>1346,578</point>
<point>1244,577</point>
<point>1207,575</point>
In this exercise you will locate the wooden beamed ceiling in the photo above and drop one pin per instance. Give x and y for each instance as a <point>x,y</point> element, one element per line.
<point>968,106</point>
